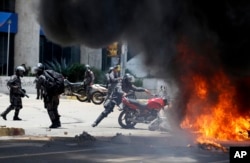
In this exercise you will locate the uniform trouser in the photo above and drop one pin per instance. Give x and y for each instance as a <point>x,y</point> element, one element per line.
<point>39,92</point>
<point>11,107</point>
<point>15,104</point>
<point>52,103</point>
<point>88,89</point>
<point>109,106</point>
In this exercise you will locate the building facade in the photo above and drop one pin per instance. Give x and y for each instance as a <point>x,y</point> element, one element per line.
<point>23,42</point>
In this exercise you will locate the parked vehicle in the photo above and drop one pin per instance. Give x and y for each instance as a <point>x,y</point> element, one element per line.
<point>75,89</point>
<point>99,93</point>
<point>135,111</point>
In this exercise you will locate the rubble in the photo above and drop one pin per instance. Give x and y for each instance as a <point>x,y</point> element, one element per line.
<point>85,138</point>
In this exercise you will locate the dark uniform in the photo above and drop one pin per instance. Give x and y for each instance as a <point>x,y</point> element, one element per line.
<point>129,88</point>
<point>115,98</point>
<point>39,89</point>
<point>114,79</point>
<point>89,78</point>
<point>51,102</point>
<point>16,94</point>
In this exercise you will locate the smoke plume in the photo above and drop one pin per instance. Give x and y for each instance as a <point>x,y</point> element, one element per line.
<point>217,31</point>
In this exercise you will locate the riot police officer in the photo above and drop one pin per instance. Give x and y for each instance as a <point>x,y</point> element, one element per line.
<point>51,102</point>
<point>129,88</point>
<point>115,98</point>
<point>16,94</point>
<point>89,78</point>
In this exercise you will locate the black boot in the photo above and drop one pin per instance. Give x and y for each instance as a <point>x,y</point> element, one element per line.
<point>98,120</point>
<point>4,114</point>
<point>16,118</point>
<point>55,119</point>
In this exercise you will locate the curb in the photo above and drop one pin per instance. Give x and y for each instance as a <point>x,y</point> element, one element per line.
<point>68,97</point>
<point>6,131</point>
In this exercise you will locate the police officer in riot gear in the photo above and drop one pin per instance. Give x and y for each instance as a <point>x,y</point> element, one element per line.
<point>51,102</point>
<point>89,78</point>
<point>129,88</point>
<point>123,88</point>
<point>115,98</point>
<point>16,94</point>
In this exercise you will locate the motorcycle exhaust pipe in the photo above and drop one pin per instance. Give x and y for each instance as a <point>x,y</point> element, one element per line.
<point>76,94</point>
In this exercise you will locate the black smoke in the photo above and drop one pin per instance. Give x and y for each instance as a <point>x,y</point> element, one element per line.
<point>156,27</point>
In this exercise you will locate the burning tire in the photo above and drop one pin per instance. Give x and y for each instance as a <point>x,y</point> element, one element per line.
<point>98,97</point>
<point>125,119</point>
<point>83,95</point>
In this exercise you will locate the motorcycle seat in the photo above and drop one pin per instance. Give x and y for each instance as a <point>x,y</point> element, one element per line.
<point>137,103</point>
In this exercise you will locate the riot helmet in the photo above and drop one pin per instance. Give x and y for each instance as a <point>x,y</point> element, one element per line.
<point>20,70</point>
<point>39,68</point>
<point>128,78</point>
<point>110,69</point>
<point>87,67</point>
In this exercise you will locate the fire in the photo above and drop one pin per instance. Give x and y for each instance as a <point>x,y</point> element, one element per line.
<point>212,111</point>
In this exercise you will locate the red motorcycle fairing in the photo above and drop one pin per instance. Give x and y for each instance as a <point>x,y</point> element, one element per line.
<point>133,104</point>
<point>155,103</point>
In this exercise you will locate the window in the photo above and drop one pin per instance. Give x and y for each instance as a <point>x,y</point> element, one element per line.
<point>7,5</point>
<point>52,52</point>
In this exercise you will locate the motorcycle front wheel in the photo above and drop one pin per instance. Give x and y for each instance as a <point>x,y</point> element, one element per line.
<point>83,95</point>
<point>124,119</point>
<point>98,97</point>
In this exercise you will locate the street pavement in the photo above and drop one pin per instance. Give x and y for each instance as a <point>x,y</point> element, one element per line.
<point>77,141</point>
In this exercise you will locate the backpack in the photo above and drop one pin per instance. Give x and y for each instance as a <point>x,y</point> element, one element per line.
<point>54,82</point>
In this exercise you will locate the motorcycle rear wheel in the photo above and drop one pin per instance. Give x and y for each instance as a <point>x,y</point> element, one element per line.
<point>98,97</point>
<point>124,119</point>
<point>83,96</point>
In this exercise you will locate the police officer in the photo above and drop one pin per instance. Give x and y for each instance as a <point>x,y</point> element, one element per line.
<point>51,102</point>
<point>16,94</point>
<point>107,76</point>
<point>89,78</point>
<point>115,98</point>
<point>129,88</point>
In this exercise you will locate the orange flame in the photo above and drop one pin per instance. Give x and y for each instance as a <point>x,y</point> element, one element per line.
<point>212,111</point>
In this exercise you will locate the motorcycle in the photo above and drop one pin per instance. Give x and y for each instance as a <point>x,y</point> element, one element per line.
<point>75,89</point>
<point>99,93</point>
<point>137,112</point>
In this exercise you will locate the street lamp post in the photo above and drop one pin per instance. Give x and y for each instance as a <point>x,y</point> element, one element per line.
<point>8,48</point>
<point>124,52</point>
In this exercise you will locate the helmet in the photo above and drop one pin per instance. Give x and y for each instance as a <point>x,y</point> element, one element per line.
<point>110,69</point>
<point>39,68</point>
<point>20,70</point>
<point>128,78</point>
<point>87,67</point>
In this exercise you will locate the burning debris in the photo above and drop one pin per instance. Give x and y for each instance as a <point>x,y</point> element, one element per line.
<point>212,146</point>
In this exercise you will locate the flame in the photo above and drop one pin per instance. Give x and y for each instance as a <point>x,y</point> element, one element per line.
<point>212,111</point>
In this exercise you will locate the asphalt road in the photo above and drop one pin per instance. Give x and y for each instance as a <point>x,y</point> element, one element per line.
<point>77,141</point>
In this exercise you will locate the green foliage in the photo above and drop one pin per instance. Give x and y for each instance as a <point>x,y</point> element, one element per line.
<point>61,67</point>
<point>99,76</point>
<point>74,72</point>
<point>138,82</point>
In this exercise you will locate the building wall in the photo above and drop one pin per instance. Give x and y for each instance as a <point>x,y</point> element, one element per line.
<point>27,37</point>
<point>92,57</point>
